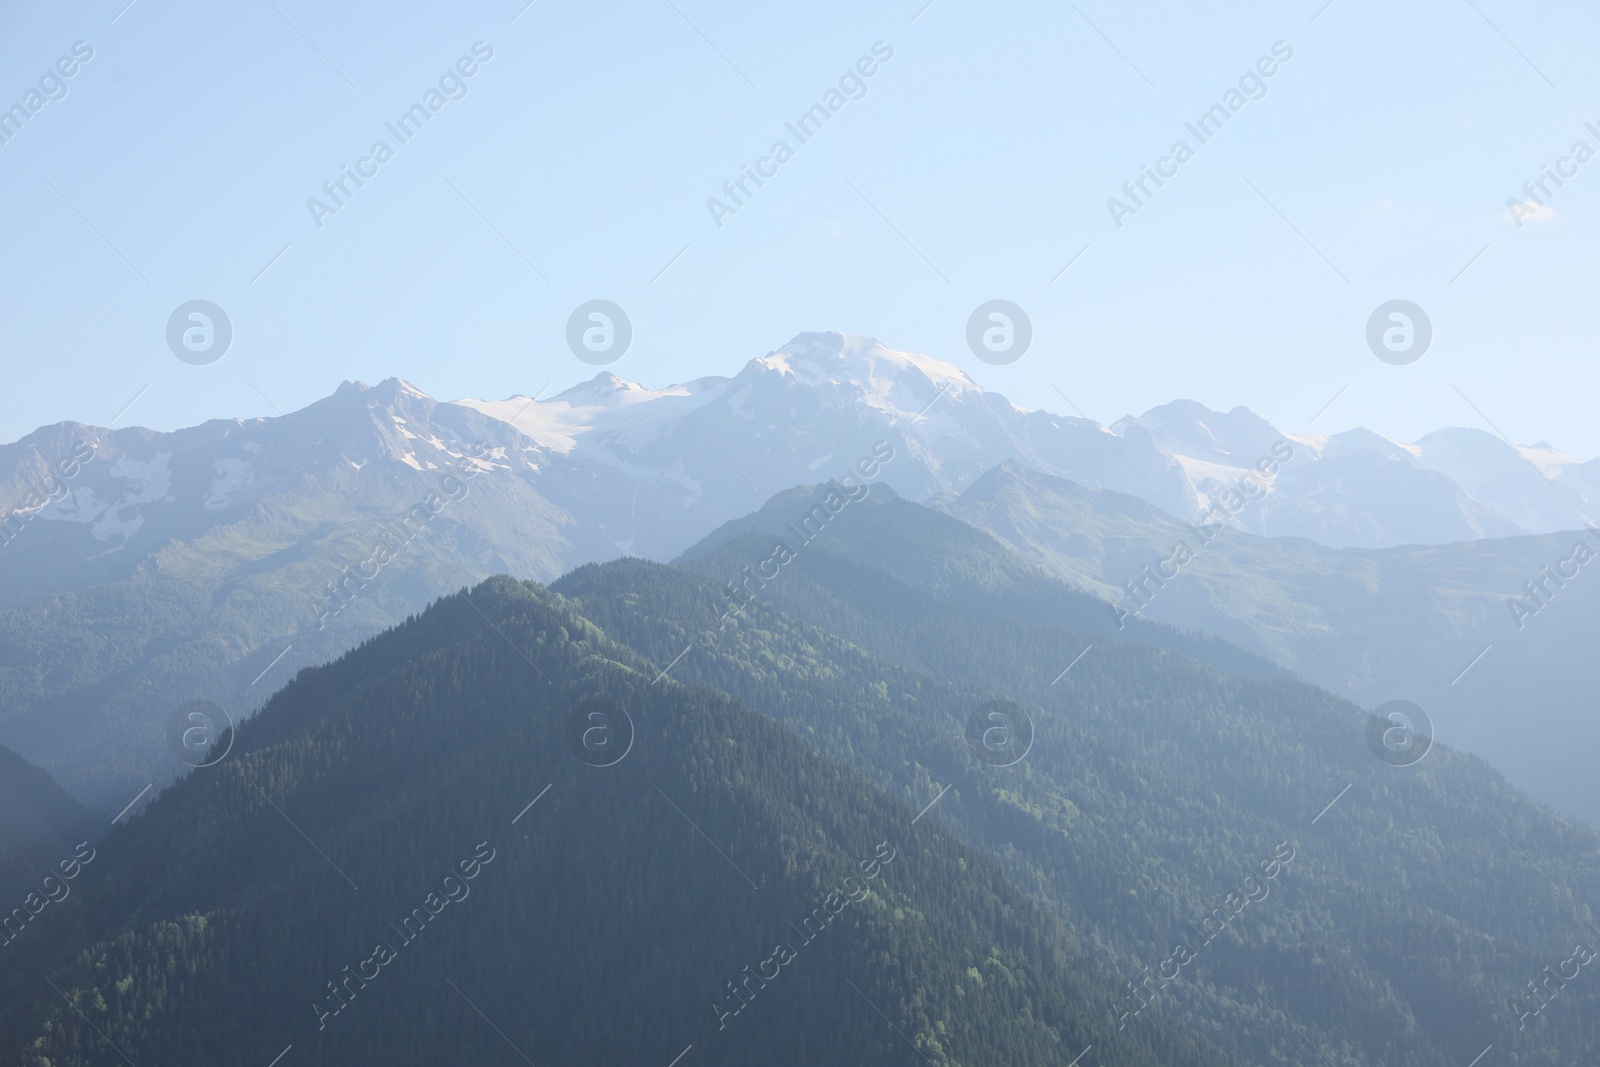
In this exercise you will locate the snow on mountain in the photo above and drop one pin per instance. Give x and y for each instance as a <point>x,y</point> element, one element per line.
<point>81,504</point>
<point>1361,489</point>
<point>803,412</point>
<point>680,460</point>
<point>649,470</point>
<point>1539,489</point>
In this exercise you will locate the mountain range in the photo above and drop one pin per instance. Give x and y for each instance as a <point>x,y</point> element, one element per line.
<point>211,563</point>
<point>851,714</point>
<point>799,852</point>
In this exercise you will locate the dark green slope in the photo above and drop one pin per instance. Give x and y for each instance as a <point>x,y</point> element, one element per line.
<point>40,826</point>
<point>1404,931</point>
<point>607,924</point>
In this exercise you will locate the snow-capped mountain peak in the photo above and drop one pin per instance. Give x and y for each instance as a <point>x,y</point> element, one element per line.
<point>823,358</point>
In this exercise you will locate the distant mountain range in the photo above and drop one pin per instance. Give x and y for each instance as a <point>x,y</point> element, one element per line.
<point>143,569</point>
<point>718,446</point>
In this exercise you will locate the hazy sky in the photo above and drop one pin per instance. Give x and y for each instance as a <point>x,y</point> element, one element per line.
<point>1375,165</point>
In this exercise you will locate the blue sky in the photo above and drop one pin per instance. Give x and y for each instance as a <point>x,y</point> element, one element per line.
<point>979,162</point>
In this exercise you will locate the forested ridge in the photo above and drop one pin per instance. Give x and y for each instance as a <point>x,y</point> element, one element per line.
<point>40,826</point>
<point>617,907</point>
<point>1419,909</point>
<point>709,891</point>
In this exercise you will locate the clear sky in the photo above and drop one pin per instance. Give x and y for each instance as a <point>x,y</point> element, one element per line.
<point>1376,164</point>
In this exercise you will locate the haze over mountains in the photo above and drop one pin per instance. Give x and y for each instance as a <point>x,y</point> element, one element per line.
<point>217,560</point>
<point>858,556</point>
<point>651,470</point>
